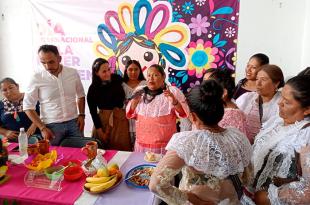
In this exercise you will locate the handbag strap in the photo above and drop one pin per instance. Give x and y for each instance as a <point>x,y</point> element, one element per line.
<point>237,185</point>
<point>260,108</point>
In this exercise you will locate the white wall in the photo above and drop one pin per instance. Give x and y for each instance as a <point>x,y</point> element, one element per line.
<point>306,38</point>
<point>16,41</point>
<point>278,28</point>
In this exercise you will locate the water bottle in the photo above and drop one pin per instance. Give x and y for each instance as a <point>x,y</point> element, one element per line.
<point>23,142</point>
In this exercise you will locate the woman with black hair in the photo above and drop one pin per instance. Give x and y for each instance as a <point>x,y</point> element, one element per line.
<point>107,94</point>
<point>280,174</point>
<point>262,105</point>
<point>248,84</point>
<point>233,116</point>
<point>155,107</point>
<point>133,77</point>
<point>210,157</point>
<point>12,116</point>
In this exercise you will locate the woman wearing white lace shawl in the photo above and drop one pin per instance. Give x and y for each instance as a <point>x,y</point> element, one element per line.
<point>277,171</point>
<point>210,157</point>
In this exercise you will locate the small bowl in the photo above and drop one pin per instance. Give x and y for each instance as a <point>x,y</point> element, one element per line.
<point>74,162</point>
<point>49,172</point>
<point>73,173</point>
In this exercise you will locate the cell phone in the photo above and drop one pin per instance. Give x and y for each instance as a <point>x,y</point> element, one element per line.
<point>15,149</point>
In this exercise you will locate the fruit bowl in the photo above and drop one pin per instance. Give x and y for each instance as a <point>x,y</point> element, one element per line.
<point>40,162</point>
<point>73,173</point>
<point>117,181</point>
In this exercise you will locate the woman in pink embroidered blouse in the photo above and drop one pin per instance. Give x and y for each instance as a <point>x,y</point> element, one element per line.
<point>155,108</point>
<point>233,116</point>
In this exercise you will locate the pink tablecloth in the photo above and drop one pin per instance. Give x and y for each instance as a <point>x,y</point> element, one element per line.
<point>16,190</point>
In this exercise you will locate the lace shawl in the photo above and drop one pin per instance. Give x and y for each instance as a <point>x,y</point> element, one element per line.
<point>246,102</point>
<point>214,154</point>
<point>278,141</point>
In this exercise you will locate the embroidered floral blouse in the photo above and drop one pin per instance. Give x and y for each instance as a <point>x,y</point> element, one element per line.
<point>12,116</point>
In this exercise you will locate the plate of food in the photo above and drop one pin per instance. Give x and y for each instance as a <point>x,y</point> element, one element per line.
<point>152,157</point>
<point>139,176</point>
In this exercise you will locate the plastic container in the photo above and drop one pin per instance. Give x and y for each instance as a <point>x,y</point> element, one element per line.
<point>54,173</point>
<point>22,142</point>
<point>39,180</point>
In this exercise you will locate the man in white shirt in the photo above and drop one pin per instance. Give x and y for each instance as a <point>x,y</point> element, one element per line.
<point>61,95</point>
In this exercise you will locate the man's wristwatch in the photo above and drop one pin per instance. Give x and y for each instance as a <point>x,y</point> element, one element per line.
<point>82,115</point>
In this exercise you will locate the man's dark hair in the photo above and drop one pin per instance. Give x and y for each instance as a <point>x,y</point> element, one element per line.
<point>49,48</point>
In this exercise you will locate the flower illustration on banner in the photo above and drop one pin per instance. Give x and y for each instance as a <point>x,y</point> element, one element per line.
<point>202,56</point>
<point>200,2</point>
<point>199,25</point>
<point>193,84</point>
<point>230,32</point>
<point>188,7</point>
<point>158,39</point>
<point>176,16</point>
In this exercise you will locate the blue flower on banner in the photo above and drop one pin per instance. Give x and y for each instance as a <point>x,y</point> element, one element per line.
<point>188,7</point>
<point>175,81</point>
<point>217,42</point>
<point>176,16</point>
<point>182,75</point>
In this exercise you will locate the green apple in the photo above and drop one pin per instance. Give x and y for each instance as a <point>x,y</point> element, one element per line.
<point>103,172</point>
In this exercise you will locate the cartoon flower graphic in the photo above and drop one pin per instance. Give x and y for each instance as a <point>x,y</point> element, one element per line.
<point>199,25</point>
<point>191,85</point>
<point>202,56</point>
<point>200,2</point>
<point>230,32</point>
<point>188,7</point>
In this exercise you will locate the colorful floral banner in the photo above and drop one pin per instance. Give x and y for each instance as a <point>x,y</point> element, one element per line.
<point>186,37</point>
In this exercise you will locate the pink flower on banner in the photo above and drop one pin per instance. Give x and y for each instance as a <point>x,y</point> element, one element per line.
<point>199,25</point>
<point>202,56</point>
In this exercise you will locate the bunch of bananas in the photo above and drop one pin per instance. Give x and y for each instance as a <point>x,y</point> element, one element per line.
<point>103,180</point>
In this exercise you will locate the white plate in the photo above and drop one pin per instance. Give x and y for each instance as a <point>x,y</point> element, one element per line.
<point>157,158</point>
<point>16,159</point>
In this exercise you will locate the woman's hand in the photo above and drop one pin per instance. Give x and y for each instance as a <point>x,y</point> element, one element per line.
<point>102,135</point>
<point>170,96</point>
<point>31,130</point>
<point>197,201</point>
<point>134,102</point>
<point>10,134</point>
<point>261,198</point>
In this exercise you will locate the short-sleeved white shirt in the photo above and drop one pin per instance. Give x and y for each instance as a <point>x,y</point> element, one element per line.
<point>57,95</point>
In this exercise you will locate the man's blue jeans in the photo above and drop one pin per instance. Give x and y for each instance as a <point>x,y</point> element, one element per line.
<point>64,130</point>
